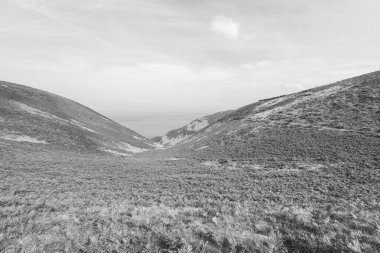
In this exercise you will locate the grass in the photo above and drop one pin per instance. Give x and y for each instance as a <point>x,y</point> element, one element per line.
<point>26,111</point>
<point>334,123</point>
<point>67,201</point>
<point>304,178</point>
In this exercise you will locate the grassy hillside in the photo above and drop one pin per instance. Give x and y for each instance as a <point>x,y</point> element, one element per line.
<point>178,135</point>
<point>78,202</point>
<point>31,115</point>
<point>292,174</point>
<point>337,122</point>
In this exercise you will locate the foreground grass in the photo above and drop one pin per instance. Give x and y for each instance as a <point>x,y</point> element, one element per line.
<point>71,202</point>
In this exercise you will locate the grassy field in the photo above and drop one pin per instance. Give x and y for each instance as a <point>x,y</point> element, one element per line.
<point>67,201</point>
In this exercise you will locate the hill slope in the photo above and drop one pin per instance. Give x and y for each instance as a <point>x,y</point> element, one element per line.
<point>339,121</point>
<point>178,135</point>
<point>35,116</point>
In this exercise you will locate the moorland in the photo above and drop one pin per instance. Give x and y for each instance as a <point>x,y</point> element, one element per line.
<point>297,174</point>
<point>65,201</point>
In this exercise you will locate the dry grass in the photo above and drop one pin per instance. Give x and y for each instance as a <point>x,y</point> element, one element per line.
<point>63,201</point>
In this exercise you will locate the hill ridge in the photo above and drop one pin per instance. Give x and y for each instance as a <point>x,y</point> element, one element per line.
<point>317,123</point>
<point>31,114</point>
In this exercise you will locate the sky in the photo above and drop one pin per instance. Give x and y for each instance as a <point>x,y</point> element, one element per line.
<point>154,65</point>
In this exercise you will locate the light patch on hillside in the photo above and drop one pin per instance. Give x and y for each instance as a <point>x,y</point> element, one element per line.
<point>194,126</point>
<point>173,141</point>
<point>115,152</point>
<point>272,102</point>
<point>173,159</point>
<point>139,138</point>
<point>203,147</point>
<point>297,100</point>
<point>217,132</point>
<point>156,145</point>
<point>35,111</point>
<point>82,126</point>
<point>210,164</point>
<point>129,148</point>
<point>196,138</point>
<point>264,114</point>
<point>197,125</point>
<point>200,136</point>
<point>147,141</point>
<point>213,127</point>
<point>22,138</point>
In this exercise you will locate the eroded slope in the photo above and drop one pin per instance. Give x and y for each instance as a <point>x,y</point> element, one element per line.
<point>178,135</point>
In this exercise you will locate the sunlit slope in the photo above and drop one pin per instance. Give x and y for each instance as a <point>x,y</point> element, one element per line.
<point>29,115</point>
<point>339,121</point>
<point>178,135</point>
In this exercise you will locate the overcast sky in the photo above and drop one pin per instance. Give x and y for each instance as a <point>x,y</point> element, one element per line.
<point>153,65</point>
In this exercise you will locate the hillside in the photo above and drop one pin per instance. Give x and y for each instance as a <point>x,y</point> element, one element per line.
<point>178,135</point>
<point>297,173</point>
<point>339,121</point>
<point>29,115</point>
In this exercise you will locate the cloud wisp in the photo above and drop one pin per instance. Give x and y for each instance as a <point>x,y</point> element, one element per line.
<point>226,27</point>
<point>34,5</point>
<point>41,7</point>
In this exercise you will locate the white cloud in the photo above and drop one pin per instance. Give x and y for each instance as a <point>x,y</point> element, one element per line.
<point>225,26</point>
<point>45,6</point>
<point>53,11</point>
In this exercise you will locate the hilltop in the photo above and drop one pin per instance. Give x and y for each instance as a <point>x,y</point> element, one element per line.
<point>338,121</point>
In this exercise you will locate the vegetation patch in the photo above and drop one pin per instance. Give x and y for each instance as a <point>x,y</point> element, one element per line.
<point>58,200</point>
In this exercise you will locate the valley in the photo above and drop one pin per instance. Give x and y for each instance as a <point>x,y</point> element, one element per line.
<point>296,173</point>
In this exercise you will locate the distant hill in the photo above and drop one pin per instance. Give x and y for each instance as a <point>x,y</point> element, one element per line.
<point>339,121</point>
<point>29,115</point>
<point>178,135</point>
